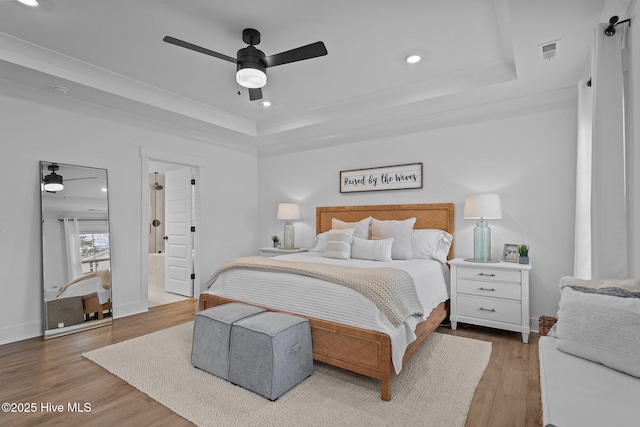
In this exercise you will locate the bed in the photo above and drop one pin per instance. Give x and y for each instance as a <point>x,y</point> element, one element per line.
<point>94,290</point>
<point>346,343</point>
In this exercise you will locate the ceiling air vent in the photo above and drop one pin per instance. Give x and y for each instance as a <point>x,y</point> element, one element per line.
<point>548,51</point>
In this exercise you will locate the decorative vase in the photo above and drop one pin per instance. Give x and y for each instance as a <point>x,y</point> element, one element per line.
<point>523,260</point>
<point>275,244</point>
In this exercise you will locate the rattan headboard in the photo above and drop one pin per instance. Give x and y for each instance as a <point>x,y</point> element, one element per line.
<point>431,215</point>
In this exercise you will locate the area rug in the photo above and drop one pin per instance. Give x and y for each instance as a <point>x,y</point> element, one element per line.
<point>434,389</point>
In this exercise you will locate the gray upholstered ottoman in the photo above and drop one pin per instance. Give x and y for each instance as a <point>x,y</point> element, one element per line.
<point>211,335</point>
<point>270,353</point>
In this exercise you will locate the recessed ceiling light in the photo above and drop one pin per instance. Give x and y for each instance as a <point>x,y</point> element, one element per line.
<point>32,3</point>
<point>103,190</point>
<point>60,90</point>
<point>412,59</point>
<point>265,104</point>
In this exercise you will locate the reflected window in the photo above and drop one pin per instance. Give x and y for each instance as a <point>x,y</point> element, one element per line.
<point>95,252</point>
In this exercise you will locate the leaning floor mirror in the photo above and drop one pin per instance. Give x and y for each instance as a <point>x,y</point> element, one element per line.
<point>76,248</point>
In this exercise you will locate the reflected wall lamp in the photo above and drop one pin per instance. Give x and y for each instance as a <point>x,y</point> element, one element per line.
<point>288,212</point>
<point>613,23</point>
<point>482,207</point>
<point>53,181</point>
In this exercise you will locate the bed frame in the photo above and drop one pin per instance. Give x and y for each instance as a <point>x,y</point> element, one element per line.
<point>359,350</point>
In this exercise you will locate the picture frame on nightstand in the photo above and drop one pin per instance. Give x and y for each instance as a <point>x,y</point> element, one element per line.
<point>510,252</point>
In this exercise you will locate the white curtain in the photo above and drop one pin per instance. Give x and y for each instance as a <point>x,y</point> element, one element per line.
<point>582,252</point>
<point>72,237</point>
<point>601,207</point>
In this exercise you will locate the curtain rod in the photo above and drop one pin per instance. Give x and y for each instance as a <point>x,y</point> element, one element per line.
<point>84,219</point>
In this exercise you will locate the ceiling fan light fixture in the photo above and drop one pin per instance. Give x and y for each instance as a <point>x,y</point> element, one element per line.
<point>32,3</point>
<point>251,78</point>
<point>53,182</point>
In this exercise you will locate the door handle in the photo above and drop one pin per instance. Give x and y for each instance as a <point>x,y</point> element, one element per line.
<point>486,274</point>
<point>493,310</point>
<point>487,289</point>
<point>166,237</point>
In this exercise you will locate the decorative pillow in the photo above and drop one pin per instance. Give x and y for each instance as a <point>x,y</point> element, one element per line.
<point>339,244</point>
<point>374,250</point>
<point>321,242</point>
<point>400,231</point>
<point>431,244</point>
<point>361,227</point>
<point>600,328</point>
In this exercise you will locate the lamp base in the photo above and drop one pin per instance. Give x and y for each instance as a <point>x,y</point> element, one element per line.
<point>491,261</point>
<point>288,236</point>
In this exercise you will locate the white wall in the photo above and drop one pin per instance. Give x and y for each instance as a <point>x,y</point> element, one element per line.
<point>528,159</point>
<point>32,132</point>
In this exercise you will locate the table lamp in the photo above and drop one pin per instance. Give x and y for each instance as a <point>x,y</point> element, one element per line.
<point>482,207</point>
<point>288,212</point>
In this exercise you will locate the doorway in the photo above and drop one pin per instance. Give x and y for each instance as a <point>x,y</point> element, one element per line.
<point>170,238</point>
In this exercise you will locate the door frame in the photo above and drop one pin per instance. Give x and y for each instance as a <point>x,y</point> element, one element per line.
<point>147,154</point>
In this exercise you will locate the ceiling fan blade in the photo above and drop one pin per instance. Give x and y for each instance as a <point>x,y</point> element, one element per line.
<point>196,48</point>
<point>309,51</point>
<point>77,179</point>
<point>255,94</point>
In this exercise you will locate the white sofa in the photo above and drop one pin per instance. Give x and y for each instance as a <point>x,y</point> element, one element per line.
<point>579,391</point>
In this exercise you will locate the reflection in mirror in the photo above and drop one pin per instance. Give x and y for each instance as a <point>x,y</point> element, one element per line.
<point>76,248</point>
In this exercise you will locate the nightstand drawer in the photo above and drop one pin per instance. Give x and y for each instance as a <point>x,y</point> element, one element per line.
<point>489,289</point>
<point>489,274</point>
<point>490,309</point>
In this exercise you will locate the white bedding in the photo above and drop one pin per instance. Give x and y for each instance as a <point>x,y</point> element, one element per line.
<point>330,301</point>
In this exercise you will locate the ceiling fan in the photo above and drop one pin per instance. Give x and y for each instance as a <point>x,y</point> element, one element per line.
<point>252,63</point>
<point>54,182</point>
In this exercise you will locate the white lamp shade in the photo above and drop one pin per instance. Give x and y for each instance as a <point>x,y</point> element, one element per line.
<point>482,206</point>
<point>251,78</point>
<point>288,211</point>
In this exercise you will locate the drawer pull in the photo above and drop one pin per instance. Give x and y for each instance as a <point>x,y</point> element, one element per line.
<point>485,274</point>
<point>487,289</point>
<point>488,309</point>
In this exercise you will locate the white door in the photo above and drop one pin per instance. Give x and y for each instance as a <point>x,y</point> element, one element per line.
<point>178,241</point>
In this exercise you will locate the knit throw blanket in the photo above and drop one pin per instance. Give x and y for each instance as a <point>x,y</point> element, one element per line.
<point>391,289</point>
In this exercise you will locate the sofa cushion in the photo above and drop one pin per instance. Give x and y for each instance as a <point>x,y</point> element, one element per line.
<point>578,392</point>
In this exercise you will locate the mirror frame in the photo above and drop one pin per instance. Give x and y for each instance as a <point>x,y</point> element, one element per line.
<point>88,311</point>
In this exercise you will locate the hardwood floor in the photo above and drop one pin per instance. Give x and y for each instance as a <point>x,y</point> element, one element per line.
<point>54,372</point>
<point>509,392</point>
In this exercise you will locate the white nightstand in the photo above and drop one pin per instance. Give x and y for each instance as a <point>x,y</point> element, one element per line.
<point>490,294</point>
<point>269,252</point>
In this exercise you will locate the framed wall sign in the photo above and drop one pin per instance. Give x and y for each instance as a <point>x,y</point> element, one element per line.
<point>396,177</point>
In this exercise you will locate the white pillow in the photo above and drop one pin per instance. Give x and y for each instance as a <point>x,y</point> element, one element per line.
<point>361,227</point>
<point>339,244</point>
<point>601,328</point>
<point>400,231</point>
<point>431,244</point>
<point>321,242</point>
<point>374,250</point>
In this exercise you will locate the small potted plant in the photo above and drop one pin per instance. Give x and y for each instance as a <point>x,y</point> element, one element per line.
<point>523,251</point>
<point>276,240</point>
